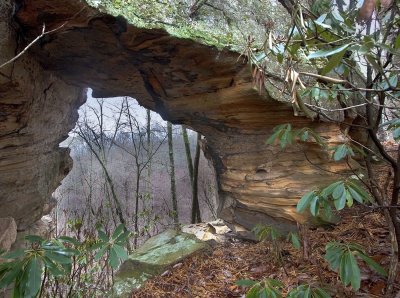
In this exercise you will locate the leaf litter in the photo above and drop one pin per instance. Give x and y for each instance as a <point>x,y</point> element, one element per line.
<point>214,274</point>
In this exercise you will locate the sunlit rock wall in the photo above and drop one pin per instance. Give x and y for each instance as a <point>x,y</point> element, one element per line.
<point>186,82</point>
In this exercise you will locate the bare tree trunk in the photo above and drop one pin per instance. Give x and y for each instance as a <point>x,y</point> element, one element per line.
<point>196,216</point>
<point>149,150</point>
<point>137,208</point>
<point>188,153</point>
<point>175,215</point>
<point>193,174</point>
<point>107,176</point>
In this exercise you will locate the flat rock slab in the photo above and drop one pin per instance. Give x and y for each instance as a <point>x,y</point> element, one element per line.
<point>154,257</point>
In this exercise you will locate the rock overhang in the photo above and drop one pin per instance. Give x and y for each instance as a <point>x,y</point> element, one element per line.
<point>208,89</point>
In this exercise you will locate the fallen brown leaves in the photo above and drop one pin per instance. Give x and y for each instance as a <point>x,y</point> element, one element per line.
<point>215,274</point>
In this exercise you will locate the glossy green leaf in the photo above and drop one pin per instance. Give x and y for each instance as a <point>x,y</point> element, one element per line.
<point>336,14</point>
<point>305,201</point>
<point>333,255</point>
<point>333,62</point>
<point>14,254</point>
<point>344,270</point>
<point>246,282</point>
<point>355,195</point>
<point>353,271</point>
<point>22,281</point>
<point>97,245</point>
<point>327,191</point>
<point>349,271</point>
<point>10,276</point>
<point>340,203</point>
<point>120,251</point>
<point>314,205</point>
<point>340,152</point>
<point>57,257</point>
<point>273,137</point>
<point>34,269</point>
<point>365,195</point>
<point>118,231</point>
<point>122,238</point>
<point>100,253</point>
<point>103,236</point>
<point>373,264</point>
<point>320,293</point>
<point>34,238</point>
<point>338,191</point>
<point>307,292</point>
<point>349,199</point>
<point>113,260</point>
<point>52,267</point>
<point>253,292</point>
<point>320,21</point>
<point>327,52</point>
<point>294,238</point>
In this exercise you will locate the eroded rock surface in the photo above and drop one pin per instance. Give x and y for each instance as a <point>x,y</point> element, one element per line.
<point>8,233</point>
<point>36,111</point>
<point>186,82</point>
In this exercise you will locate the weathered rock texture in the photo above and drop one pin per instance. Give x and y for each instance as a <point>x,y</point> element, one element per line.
<point>36,111</point>
<point>186,82</point>
<point>8,233</point>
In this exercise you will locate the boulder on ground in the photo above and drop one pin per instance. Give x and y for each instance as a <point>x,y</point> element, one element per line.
<point>154,257</point>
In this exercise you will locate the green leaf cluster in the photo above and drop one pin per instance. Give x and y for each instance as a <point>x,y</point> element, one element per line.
<point>307,291</point>
<point>113,246</point>
<point>339,194</point>
<point>26,267</point>
<point>263,232</point>
<point>342,151</point>
<point>286,135</point>
<point>272,288</point>
<point>342,258</point>
<point>268,288</point>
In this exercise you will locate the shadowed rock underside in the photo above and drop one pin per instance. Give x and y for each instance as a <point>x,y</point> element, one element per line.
<point>186,82</point>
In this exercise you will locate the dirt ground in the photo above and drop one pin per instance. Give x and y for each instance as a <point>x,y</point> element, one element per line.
<point>214,274</point>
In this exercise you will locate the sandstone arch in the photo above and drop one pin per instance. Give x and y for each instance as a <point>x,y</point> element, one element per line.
<point>186,82</point>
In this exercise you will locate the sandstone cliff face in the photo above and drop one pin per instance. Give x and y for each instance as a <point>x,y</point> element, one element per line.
<point>36,111</point>
<point>186,82</point>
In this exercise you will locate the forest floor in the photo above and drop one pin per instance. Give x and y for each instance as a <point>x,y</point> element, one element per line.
<point>214,274</point>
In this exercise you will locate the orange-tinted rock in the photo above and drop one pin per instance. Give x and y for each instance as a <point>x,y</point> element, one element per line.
<point>186,82</point>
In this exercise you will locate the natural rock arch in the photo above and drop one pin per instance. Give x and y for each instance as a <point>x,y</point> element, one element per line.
<point>186,82</point>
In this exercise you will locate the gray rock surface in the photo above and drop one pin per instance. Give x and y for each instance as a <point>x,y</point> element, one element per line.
<point>8,232</point>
